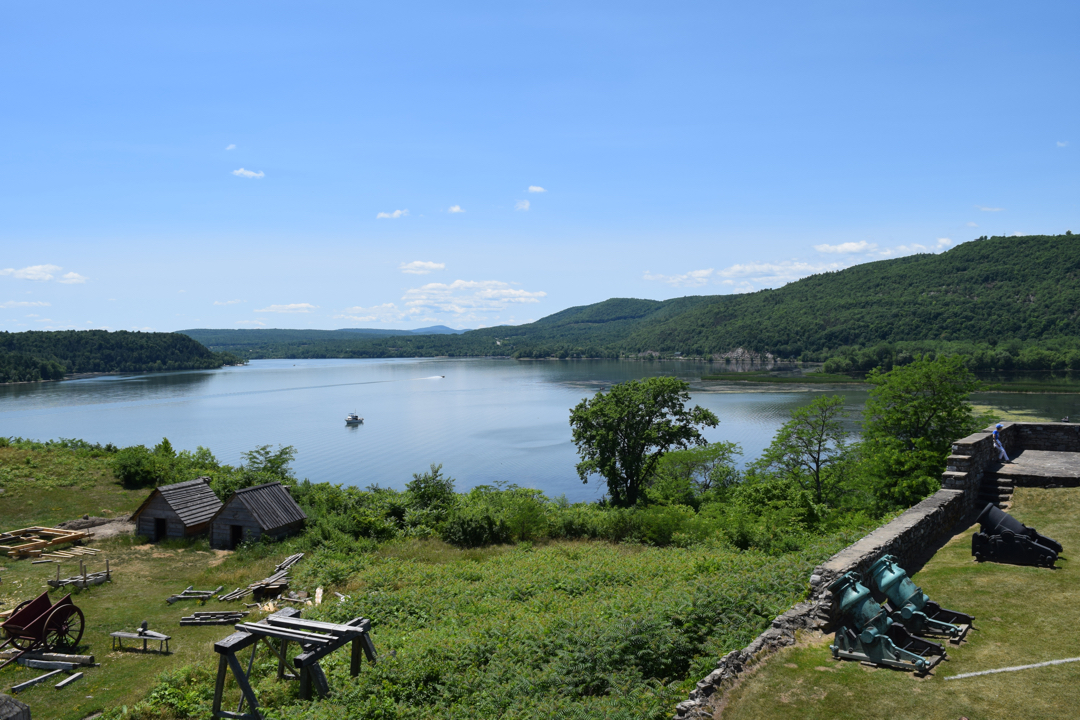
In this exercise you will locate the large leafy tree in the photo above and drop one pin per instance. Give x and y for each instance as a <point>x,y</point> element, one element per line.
<point>623,433</point>
<point>811,448</point>
<point>911,419</point>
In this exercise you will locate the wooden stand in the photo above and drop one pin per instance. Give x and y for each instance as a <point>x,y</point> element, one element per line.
<point>316,640</point>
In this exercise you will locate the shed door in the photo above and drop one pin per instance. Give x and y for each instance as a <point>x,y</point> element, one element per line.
<point>236,535</point>
<point>161,529</point>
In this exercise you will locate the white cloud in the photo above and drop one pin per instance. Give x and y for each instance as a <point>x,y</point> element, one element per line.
<point>989,209</point>
<point>848,247</point>
<point>900,250</point>
<point>467,296</point>
<point>260,323</point>
<point>773,274</point>
<point>522,205</point>
<point>1062,143</point>
<point>230,146</point>
<point>24,303</point>
<point>455,209</point>
<point>377,313</point>
<point>34,272</point>
<point>72,278</point>
<point>536,188</point>
<point>694,278</point>
<point>392,215</point>
<point>291,308</point>
<point>420,267</point>
<point>250,174</point>
<point>971,224</point>
<point>228,302</point>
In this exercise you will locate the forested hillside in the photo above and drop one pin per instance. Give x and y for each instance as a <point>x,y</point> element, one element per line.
<point>1005,302</point>
<point>33,356</point>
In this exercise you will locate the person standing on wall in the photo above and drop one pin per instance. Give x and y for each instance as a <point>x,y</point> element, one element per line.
<point>1002,456</point>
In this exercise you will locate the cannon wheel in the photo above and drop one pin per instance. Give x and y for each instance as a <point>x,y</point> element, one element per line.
<point>21,643</point>
<point>64,627</point>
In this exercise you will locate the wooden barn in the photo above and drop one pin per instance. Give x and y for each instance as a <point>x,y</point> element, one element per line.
<point>177,511</point>
<point>255,511</point>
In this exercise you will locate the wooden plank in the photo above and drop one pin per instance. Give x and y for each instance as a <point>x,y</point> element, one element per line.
<point>68,681</point>
<point>35,681</point>
<point>334,628</point>
<point>242,681</point>
<point>46,664</point>
<point>76,659</point>
<point>301,637</point>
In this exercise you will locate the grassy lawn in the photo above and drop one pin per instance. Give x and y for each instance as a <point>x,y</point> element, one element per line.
<point>1023,615</point>
<point>49,486</point>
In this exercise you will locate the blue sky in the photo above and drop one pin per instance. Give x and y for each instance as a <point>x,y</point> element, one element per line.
<point>324,165</point>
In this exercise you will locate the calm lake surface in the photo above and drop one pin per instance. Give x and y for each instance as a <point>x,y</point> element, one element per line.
<point>486,421</point>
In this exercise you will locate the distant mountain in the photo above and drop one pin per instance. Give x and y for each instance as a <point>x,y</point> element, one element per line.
<point>1006,302</point>
<point>436,330</point>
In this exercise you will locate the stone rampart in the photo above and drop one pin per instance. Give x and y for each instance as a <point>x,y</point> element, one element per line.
<point>913,538</point>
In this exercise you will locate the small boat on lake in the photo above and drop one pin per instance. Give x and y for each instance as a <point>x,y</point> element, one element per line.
<point>353,419</point>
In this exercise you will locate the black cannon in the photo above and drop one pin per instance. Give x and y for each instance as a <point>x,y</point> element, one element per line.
<point>867,633</point>
<point>1003,538</point>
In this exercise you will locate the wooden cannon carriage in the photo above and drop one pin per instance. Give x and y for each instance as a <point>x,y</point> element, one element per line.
<point>39,624</point>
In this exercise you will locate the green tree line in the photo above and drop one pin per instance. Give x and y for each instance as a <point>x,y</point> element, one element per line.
<point>50,355</point>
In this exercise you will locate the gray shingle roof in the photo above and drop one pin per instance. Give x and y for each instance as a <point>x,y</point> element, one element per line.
<point>193,500</point>
<point>271,505</point>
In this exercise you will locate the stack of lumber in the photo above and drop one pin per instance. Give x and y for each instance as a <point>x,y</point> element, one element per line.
<point>69,553</point>
<point>31,541</point>
<point>189,594</point>
<point>267,587</point>
<point>214,618</point>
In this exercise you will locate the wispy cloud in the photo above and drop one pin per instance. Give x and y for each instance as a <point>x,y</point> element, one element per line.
<point>847,248</point>
<point>1062,143</point>
<point>24,304</point>
<point>228,302</point>
<point>43,273</point>
<point>392,215</point>
<point>455,209</point>
<point>468,296</point>
<point>259,323</point>
<point>33,272</point>
<point>989,209</point>
<point>694,278</point>
<point>230,146</point>
<point>971,224</point>
<point>536,188</point>
<point>522,205</point>
<point>291,308</point>
<point>420,267</point>
<point>250,174</point>
<point>377,313</point>
<point>767,274</point>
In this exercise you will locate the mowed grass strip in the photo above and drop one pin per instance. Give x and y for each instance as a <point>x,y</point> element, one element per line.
<point>1023,615</point>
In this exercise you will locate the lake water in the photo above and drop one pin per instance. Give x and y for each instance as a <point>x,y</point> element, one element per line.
<point>486,421</point>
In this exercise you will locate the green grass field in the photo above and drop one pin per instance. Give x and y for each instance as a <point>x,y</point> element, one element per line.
<point>1023,615</point>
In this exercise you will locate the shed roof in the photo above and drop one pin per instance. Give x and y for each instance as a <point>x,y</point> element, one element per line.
<point>271,505</point>
<point>192,501</point>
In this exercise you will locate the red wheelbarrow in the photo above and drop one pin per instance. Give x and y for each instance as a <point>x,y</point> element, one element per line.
<point>39,624</point>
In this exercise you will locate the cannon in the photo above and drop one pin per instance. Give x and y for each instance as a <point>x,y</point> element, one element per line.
<point>1003,538</point>
<point>867,633</point>
<point>908,605</point>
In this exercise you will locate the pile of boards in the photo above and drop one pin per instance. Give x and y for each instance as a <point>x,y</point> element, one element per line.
<point>267,587</point>
<point>32,541</point>
<point>54,663</point>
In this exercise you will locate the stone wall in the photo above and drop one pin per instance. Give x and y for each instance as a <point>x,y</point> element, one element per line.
<point>913,538</point>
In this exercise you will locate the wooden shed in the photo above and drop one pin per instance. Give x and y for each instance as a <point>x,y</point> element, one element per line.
<point>177,511</point>
<point>253,512</point>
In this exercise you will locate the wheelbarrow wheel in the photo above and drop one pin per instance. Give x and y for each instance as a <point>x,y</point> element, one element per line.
<point>64,627</point>
<point>19,642</point>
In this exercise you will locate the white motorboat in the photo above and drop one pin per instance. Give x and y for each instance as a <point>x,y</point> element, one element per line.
<point>353,419</point>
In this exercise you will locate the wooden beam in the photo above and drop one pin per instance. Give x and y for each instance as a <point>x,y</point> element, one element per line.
<point>68,680</point>
<point>35,681</point>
